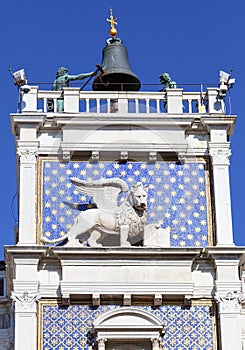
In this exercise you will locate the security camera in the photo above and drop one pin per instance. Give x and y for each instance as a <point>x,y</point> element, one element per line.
<point>25,89</point>
<point>223,88</point>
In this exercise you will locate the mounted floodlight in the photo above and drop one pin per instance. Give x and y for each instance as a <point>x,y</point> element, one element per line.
<point>225,83</point>
<point>19,77</point>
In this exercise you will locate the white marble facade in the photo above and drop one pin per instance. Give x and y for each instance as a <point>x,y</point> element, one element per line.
<point>144,293</point>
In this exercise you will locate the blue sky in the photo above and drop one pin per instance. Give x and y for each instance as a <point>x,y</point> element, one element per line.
<point>190,39</point>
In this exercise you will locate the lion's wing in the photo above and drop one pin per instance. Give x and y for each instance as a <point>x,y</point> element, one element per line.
<point>104,192</point>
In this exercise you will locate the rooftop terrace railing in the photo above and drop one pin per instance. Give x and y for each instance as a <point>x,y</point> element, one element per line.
<point>75,100</point>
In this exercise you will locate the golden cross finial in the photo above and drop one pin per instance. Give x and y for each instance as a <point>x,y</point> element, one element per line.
<point>112,21</point>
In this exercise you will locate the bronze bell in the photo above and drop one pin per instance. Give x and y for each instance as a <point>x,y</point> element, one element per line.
<point>116,73</point>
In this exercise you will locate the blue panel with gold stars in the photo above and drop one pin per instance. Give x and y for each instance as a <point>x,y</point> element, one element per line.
<point>176,196</point>
<point>70,327</point>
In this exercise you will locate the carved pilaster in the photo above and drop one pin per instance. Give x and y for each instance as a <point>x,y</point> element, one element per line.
<point>220,153</point>
<point>25,302</point>
<point>28,156</point>
<point>230,303</point>
<point>101,343</point>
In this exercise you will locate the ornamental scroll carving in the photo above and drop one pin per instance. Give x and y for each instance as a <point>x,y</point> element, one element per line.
<point>230,303</point>
<point>220,155</point>
<point>27,155</point>
<point>25,302</point>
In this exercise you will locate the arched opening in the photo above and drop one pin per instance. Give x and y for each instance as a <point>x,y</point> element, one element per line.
<point>128,329</point>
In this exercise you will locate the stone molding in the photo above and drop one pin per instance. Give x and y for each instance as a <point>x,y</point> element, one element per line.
<point>25,302</point>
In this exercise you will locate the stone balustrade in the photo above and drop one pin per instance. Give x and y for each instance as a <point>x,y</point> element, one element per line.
<point>173,101</point>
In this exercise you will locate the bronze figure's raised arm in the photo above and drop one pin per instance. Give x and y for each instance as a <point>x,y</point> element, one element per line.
<point>63,78</point>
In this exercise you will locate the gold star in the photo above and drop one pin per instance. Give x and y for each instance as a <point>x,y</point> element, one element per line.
<point>123,173</point>
<point>116,166</point>
<point>136,173</point>
<point>83,172</point>
<point>75,165</point>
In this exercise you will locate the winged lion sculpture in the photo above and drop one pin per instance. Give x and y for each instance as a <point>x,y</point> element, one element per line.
<point>126,220</point>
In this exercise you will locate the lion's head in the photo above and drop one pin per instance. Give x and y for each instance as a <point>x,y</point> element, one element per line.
<point>138,196</point>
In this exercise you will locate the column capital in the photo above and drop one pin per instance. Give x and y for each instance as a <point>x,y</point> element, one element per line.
<point>230,302</point>
<point>25,302</point>
<point>220,153</point>
<point>155,343</point>
<point>27,155</point>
